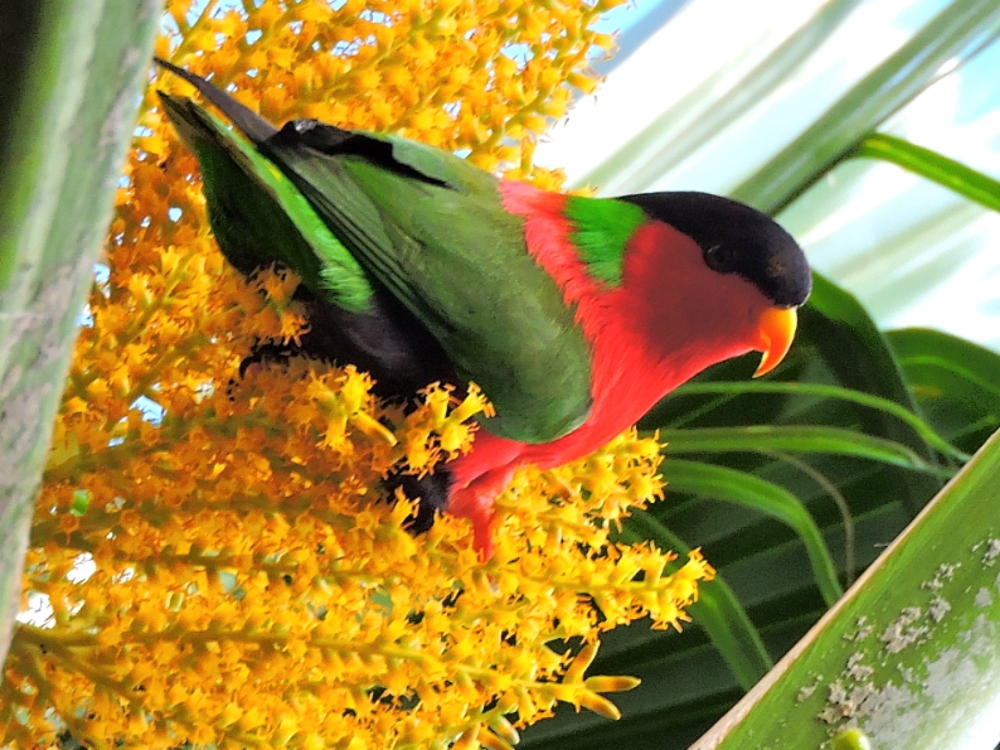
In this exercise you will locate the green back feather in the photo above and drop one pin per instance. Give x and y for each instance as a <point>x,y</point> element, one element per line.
<point>458,261</point>
<point>437,164</point>
<point>258,215</point>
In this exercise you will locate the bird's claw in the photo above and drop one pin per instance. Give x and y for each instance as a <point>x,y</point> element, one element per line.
<point>477,506</point>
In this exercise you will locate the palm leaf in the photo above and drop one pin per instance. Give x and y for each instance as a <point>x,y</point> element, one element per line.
<point>909,654</point>
<point>934,166</point>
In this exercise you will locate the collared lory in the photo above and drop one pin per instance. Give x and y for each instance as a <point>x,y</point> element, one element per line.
<point>574,315</point>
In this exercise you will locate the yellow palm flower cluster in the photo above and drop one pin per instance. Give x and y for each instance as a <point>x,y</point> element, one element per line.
<point>212,562</point>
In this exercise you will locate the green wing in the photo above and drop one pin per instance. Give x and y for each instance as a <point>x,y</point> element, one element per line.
<point>434,232</point>
<point>431,228</point>
<point>258,215</point>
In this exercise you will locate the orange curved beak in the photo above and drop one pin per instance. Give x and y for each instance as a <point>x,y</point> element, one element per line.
<point>775,331</point>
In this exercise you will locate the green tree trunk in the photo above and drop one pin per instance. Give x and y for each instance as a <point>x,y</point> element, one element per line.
<point>70,80</point>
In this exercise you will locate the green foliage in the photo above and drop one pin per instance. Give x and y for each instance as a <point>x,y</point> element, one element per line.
<point>910,656</point>
<point>957,383</point>
<point>947,172</point>
<point>957,33</point>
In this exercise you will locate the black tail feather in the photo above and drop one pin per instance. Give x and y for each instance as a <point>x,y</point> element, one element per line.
<point>255,127</point>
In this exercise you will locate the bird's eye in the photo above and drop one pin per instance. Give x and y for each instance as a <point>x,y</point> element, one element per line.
<point>720,258</point>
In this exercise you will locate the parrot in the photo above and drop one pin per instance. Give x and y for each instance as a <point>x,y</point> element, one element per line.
<point>575,315</point>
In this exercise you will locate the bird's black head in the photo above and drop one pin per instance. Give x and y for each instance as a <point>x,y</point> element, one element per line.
<point>735,238</point>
